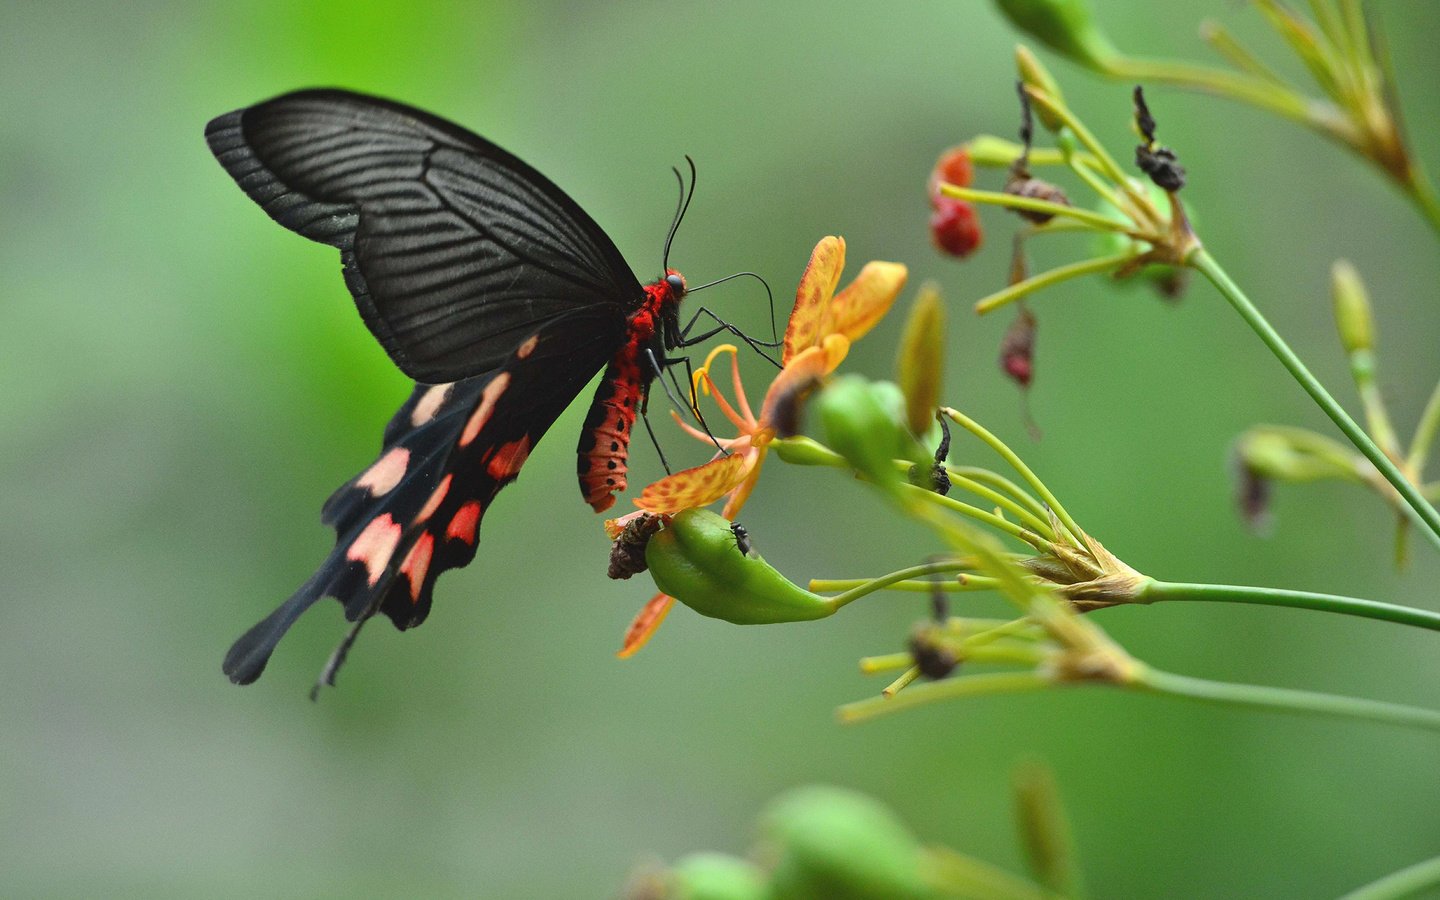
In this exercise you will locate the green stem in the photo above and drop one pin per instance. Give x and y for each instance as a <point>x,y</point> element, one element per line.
<point>1408,882</point>
<point>999,482</point>
<point>1037,524</point>
<point>884,581</point>
<point>965,582</point>
<point>1159,591</point>
<point>1424,433</point>
<point>1417,508</point>
<point>1243,88</point>
<point>1284,699</point>
<point>1054,276</point>
<point>1018,465</point>
<point>948,689</point>
<point>1030,204</point>
<point>999,523</point>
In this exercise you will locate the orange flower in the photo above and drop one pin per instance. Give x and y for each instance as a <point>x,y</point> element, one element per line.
<point>821,329</point>
<point>822,326</point>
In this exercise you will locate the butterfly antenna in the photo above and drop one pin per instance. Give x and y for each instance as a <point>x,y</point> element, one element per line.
<point>681,206</point>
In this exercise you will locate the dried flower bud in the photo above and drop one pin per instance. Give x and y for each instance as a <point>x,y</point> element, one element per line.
<point>1033,74</point>
<point>1017,349</point>
<point>932,656</point>
<point>1024,185</point>
<point>627,554</point>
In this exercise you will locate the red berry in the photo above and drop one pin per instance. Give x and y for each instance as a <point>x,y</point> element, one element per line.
<point>954,227</point>
<point>954,166</point>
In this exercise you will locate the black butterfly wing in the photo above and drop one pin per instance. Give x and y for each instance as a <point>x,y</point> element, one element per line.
<point>448,451</point>
<point>454,250</point>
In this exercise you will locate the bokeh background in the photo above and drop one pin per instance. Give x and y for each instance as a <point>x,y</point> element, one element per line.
<point>184,383</point>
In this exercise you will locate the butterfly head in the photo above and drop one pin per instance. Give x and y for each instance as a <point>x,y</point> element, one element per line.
<point>675,284</point>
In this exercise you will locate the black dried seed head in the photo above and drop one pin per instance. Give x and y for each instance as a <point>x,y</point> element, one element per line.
<point>934,660</point>
<point>1160,163</point>
<point>1033,188</point>
<point>627,554</point>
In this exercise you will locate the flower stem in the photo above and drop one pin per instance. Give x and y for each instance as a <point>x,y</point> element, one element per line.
<point>1052,277</point>
<point>1417,508</point>
<point>1284,699</point>
<point>1424,433</point>
<point>1158,591</point>
<point>1030,204</point>
<point>1018,465</point>
<point>1408,882</point>
<point>948,689</point>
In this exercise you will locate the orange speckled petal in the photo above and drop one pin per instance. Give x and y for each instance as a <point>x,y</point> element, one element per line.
<point>866,299</point>
<point>812,300</point>
<point>699,486</point>
<point>807,366</point>
<point>742,493</point>
<point>645,624</point>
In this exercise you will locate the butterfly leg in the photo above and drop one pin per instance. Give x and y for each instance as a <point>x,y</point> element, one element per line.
<point>661,367</point>
<point>687,339</point>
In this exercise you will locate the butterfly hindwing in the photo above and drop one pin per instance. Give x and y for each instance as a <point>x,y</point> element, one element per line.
<point>453,249</point>
<point>416,511</point>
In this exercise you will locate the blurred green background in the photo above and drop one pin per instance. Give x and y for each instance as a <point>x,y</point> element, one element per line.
<point>185,382</point>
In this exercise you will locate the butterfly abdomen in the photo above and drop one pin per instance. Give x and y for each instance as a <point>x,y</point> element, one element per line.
<point>604,445</point>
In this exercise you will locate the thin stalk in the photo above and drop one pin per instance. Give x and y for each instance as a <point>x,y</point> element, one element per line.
<point>1036,523</point>
<point>1417,508</point>
<point>964,583</point>
<point>1030,204</point>
<point>999,482</point>
<point>1054,276</point>
<point>1244,88</point>
<point>947,689</point>
<point>1408,882</point>
<point>905,680</point>
<point>1283,699</point>
<point>1018,465</point>
<point>1103,159</point>
<point>1424,433</point>
<point>884,581</point>
<point>974,512</point>
<point>1160,591</point>
<point>1225,44</point>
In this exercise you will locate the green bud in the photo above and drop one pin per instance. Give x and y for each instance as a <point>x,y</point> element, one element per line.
<point>993,152</point>
<point>834,844</point>
<point>716,876</point>
<point>697,560</point>
<point>1352,309</point>
<point>1281,456</point>
<point>862,424</point>
<point>921,359</point>
<point>1034,74</point>
<point>1064,26</point>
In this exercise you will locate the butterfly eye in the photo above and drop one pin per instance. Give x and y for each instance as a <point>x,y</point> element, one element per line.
<point>676,283</point>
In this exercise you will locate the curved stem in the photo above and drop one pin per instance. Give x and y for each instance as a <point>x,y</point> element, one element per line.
<point>964,583</point>
<point>1017,464</point>
<point>1242,88</point>
<point>1158,591</point>
<point>1284,699</point>
<point>884,581</point>
<point>1424,433</point>
<point>999,482</point>
<point>1054,276</point>
<point>948,689</point>
<point>1030,204</point>
<point>1408,882</point>
<point>1415,505</point>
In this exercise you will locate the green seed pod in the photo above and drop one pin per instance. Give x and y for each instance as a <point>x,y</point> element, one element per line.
<point>1064,26</point>
<point>698,561</point>
<point>1034,74</point>
<point>921,358</point>
<point>715,876</point>
<point>834,844</point>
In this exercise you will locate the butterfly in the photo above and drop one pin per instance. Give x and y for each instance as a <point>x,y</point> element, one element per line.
<point>487,285</point>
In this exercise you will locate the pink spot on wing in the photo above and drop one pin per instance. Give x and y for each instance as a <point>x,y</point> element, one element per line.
<point>375,546</point>
<point>417,563</point>
<point>382,477</point>
<point>435,500</point>
<point>464,523</point>
<point>528,347</point>
<point>482,413</point>
<point>508,459</point>
<point>429,404</point>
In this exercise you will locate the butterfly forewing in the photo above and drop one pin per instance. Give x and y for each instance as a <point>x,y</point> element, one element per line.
<point>455,251</point>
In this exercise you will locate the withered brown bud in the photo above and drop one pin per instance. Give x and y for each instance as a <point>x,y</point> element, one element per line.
<point>1017,349</point>
<point>1160,163</point>
<point>627,554</point>
<point>1025,185</point>
<point>932,657</point>
<point>790,404</point>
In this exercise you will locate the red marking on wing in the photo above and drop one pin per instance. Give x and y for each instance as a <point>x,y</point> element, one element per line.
<point>528,347</point>
<point>387,471</point>
<point>417,563</point>
<point>429,404</point>
<point>464,523</point>
<point>508,459</point>
<point>375,545</point>
<point>435,500</point>
<point>482,412</point>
